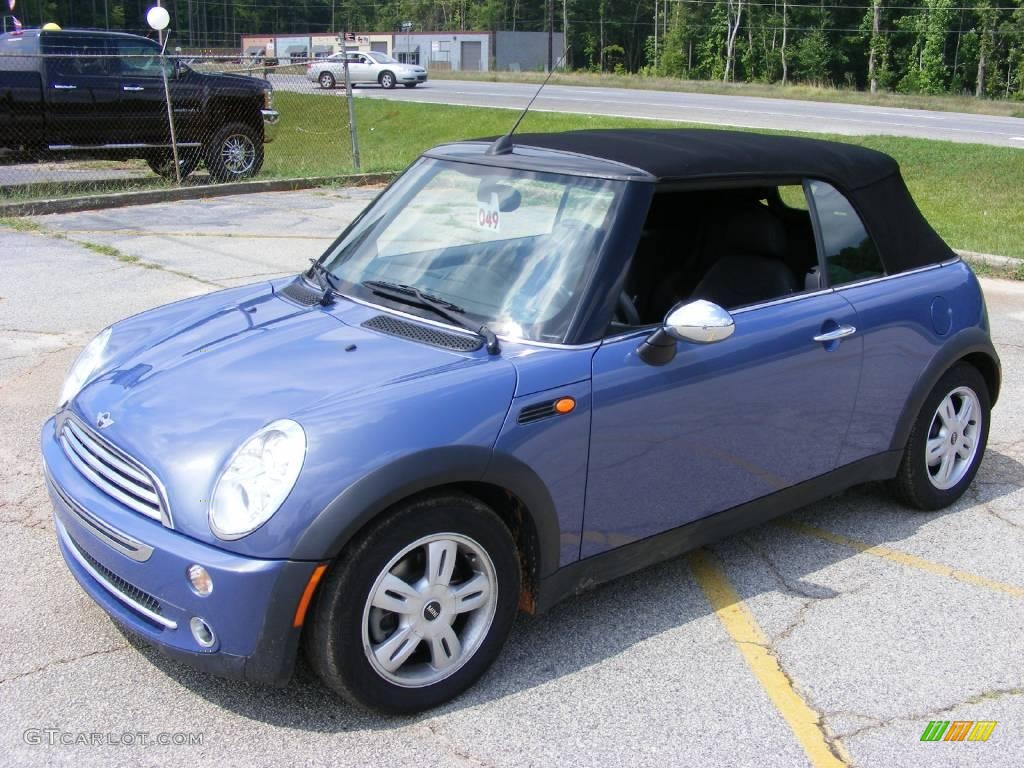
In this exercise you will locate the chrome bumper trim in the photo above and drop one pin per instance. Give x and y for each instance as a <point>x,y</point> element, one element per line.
<point>71,547</point>
<point>112,537</point>
<point>271,120</point>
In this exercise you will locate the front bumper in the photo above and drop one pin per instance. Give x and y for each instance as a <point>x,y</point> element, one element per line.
<point>271,121</point>
<point>412,77</point>
<point>135,568</point>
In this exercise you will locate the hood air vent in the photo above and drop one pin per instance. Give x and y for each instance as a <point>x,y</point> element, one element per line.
<point>299,291</point>
<point>423,334</point>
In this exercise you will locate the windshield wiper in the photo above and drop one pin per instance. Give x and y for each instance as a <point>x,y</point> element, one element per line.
<point>409,294</point>
<point>325,280</point>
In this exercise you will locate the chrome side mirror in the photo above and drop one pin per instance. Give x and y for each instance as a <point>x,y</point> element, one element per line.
<point>698,322</point>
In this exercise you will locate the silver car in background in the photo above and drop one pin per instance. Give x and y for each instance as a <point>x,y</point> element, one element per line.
<point>363,68</point>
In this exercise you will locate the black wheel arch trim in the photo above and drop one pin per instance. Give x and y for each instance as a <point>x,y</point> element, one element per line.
<point>436,469</point>
<point>967,343</point>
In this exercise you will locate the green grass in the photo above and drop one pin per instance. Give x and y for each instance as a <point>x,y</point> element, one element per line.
<point>971,193</point>
<point>844,95</point>
<point>19,224</point>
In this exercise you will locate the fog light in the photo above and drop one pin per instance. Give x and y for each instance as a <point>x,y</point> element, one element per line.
<point>200,580</point>
<point>202,632</point>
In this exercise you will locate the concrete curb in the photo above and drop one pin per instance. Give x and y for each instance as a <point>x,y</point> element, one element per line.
<point>995,266</point>
<point>147,196</point>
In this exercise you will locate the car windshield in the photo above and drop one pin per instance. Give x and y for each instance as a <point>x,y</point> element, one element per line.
<point>382,58</point>
<point>510,248</point>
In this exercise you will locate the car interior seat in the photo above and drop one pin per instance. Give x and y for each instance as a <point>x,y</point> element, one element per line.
<point>752,267</point>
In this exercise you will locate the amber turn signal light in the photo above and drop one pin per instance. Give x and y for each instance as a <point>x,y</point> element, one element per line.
<point>564,405</point>
<point>307,594</point>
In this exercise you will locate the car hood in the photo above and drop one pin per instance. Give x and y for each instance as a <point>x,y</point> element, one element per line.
<point>186,385</point>
<point>234,80</point>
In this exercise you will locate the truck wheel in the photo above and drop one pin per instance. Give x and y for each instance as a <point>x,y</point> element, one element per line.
<point>327,80</point>
<point>163,165</point>
<point>235,153</point>
<point>414,611</point>
<point>387,80</point>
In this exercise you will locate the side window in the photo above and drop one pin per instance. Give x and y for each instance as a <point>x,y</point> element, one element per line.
<point>793,197</point>
<point>850,253</point>
<point>138,59</point>
<point>78,56</point>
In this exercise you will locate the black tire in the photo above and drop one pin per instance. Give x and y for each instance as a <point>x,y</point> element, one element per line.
<point>163,165</point>
<point>327,80</point>
<point>334,638</point>
<point>222,165</point>
<point>410,85</point>
<point>387,79</point>
<point>914,483</point>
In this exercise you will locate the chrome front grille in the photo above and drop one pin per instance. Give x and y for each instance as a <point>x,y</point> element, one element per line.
<point>112,471</point>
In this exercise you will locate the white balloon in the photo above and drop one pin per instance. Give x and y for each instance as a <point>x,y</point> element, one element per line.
<point>158,18</point>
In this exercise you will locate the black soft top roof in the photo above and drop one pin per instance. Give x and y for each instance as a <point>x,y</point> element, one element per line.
<point>702,153</point>
<point>871,180</point>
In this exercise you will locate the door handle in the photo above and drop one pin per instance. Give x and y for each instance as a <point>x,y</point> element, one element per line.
<point>132,88</point>
<point>61,87</point>
<point>839,333</point>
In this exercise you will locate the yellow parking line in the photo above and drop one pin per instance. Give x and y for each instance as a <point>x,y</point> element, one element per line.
<point>903,558</point>
<point>744,630</point>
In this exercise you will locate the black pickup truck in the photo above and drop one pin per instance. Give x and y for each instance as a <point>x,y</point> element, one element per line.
<point>89,94</point>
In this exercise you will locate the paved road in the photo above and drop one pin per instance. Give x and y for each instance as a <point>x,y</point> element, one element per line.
<point>739,111</point>
<point>878,618</point>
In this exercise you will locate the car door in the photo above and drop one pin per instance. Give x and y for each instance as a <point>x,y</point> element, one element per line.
<point>80,91</point>
<point>899,317</point>
<point>362,68</point>
<point>720,424</point>
<point>141,99</point>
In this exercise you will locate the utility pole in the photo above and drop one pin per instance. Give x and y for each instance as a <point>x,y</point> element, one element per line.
<point>655,37</point>
<point>875,26</point>
<point>551,32</point>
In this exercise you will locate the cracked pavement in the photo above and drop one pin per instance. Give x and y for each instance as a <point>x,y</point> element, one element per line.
<point>638,672</point>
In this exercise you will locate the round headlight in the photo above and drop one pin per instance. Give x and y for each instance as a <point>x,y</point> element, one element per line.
<point>257,479</point>
<point>83,369</point>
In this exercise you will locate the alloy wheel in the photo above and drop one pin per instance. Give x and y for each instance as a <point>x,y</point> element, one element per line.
<point>429,610</point>
<point>238,154</point>
<point>952,441</point>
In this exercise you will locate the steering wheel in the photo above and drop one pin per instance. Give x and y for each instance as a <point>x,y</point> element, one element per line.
<point>625,310</point>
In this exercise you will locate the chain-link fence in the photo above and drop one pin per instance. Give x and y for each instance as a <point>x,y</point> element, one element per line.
<point>85,114</point>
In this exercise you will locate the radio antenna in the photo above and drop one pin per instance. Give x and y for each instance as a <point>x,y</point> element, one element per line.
<point>503,144</point>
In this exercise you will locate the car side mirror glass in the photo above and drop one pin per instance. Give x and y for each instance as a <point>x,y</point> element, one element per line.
<point>698,322</point>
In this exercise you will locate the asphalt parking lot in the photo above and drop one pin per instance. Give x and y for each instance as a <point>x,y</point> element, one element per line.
<point>831,637</point>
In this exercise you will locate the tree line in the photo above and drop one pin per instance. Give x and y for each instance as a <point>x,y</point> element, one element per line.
<point>912,46</point>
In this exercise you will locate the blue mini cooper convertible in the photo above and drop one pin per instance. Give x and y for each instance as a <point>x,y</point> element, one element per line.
<point>528,367</point>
